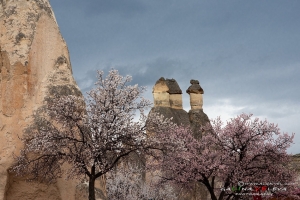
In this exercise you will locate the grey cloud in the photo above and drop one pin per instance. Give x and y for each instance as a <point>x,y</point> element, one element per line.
<point>244,51</point>
<point>128,8</point>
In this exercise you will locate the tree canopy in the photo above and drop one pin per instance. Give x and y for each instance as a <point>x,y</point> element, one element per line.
<point>90,135</point>
<point>228,157</point>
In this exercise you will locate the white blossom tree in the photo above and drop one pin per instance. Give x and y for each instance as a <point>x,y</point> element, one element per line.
<point>92,136</point>
<point>127,182</point>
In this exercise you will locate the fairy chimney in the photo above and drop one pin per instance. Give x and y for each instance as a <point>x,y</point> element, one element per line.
<point>168,102</point>
<point>167,93</point>
<point>34,65</point>
<point>160,93</point>
<point>195,91</point>
<point>175,94</point>
<point>196,115</point>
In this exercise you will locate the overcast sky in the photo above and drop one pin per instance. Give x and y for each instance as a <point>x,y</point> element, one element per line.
<point>246,54</point>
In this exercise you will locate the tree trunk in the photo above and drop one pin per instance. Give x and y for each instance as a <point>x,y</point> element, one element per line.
<point>92,195</point>
<point>209,188</point>
<point>212,195</point>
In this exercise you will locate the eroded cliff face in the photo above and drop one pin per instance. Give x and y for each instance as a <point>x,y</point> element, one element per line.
<point>34,64</point>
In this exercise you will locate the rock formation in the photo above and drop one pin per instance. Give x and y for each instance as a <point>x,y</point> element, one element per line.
<point>195,91</point>
<point>168,101</point>
<point>167,94</point>
<point>34,65</point>
<point>196,115</point>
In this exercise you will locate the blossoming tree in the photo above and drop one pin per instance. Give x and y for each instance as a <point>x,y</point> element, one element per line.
<point>92,136</point>
<point>128,182</point>
<point>229,157</point>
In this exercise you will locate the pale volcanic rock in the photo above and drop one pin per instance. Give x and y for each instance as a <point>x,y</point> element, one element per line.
<point>34,65</point>
<point>160,93</point>
<point>167,97</point>
<point>167,93</point>
<point>175,94</point>
<point>195,91</point>
<point>196,115</point>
